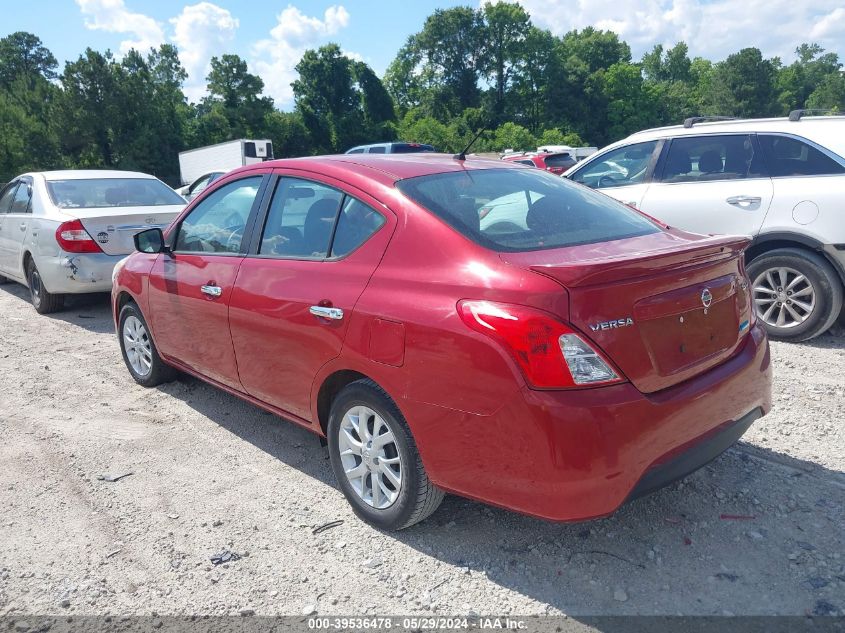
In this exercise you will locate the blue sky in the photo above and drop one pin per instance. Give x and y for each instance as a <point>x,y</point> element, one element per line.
<point>271,35</point>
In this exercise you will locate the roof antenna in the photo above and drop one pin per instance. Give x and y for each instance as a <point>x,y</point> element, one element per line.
<point>462,155</point>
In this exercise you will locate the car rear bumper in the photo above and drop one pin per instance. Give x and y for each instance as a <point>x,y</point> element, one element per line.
<point>577,455</point>
<point>690,458</point>
<point>75,273</point>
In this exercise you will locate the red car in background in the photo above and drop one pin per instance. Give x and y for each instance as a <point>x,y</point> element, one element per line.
<point>558,363</point>
<point>556,163</point>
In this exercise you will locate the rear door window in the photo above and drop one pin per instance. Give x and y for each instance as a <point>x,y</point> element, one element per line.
<point>712,157</point>
<point>512,210</point>
<point>789,156</point>
<point>300,220</point>
<point>620,167</point>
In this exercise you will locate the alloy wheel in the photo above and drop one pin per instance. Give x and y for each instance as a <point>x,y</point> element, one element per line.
<point>136,342</point>
<point>784,297</point>
<point>370,457</point>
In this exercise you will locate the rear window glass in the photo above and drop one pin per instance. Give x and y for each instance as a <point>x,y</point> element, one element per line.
<point>788,156</point>
<point>410,148</point>
<point>111,192</point>
<point>524,210</point>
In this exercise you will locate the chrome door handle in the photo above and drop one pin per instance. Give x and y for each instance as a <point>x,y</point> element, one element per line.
<point>336,314</point>
<point>743,200</point>
<point>212,291</point>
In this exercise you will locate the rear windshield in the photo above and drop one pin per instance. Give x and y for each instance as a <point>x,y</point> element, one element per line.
<point>111,192</point>
<point>411,148</point>
<point>524,210</point>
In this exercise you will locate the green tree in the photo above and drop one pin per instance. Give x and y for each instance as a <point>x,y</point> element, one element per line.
<point>289,135</point>
<point>23,56</point>
<point>512,136</point>
<point>236,93</point>
<point>742,85</point>
<point>506,28</point>
<point>438,69</point>
<point>341,102</point>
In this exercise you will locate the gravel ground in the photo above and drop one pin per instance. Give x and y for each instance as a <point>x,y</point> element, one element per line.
<point>759,531</point>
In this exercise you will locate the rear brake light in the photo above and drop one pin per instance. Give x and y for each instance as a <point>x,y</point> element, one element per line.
<point>73,238</point>
<point>550,353</point>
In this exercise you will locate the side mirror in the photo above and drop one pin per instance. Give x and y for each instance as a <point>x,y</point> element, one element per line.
<point>150,241</point>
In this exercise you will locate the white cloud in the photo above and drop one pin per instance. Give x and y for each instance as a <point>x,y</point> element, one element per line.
<point>712,29</point>
<point>201,31</point>
<point>275,58</point>
<point>113,16</point>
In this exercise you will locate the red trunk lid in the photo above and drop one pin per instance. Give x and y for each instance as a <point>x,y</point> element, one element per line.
<point>663,307</point>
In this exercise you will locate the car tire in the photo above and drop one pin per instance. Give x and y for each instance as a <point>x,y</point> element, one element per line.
<point>139,350</point>
<point>43,301</point>
<point>415,498</point>
<point>772,275</point>
<point>4,280</point>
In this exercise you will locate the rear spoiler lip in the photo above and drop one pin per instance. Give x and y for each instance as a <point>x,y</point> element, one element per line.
<point>610,269</point>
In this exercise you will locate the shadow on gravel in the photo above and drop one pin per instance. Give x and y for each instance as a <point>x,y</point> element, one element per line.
<point>91,312</point>
<point>752,533</point>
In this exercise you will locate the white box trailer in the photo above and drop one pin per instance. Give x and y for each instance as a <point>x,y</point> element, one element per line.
<point>227,156</point>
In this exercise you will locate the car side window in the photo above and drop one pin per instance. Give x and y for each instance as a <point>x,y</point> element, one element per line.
<point>200,185</point>
<point>300,220</point>
<point>7,196</point>
<point>788,156</point>
<point>217,223</point>
<point>525,162</point>
<point>620,167</point>
<point>713,157</point>
<point>23,196</point>
<point>355,224</point>
<point>379,149</point>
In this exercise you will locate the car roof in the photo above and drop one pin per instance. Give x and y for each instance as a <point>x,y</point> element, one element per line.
<point>776,124</point>
<point>86,174</point>
<point>385,167</point>
<point>815,128</point>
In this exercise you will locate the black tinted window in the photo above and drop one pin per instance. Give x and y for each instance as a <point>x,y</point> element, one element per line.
<point>217,223</point>
<point>411,148</point>
<point>716,157</point>
<point>523,209</point>
<point>560,160</point>
<point>356,223</point>
<point>379,149</point>
<point>300,220</point>
<point>787,156</point>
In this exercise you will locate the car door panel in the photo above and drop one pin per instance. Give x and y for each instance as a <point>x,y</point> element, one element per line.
<point>190,288</point>
<point>8,230</point>
<point>280,343</point>
<point>690,193</point>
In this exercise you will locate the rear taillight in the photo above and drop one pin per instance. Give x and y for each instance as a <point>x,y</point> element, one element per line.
<point>73,238</point>
<point>551,354</point>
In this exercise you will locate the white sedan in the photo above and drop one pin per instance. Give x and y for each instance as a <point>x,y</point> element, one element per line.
<point>62,232</point>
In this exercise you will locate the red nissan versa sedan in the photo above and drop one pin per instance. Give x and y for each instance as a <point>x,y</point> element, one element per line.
<point>558,358</point>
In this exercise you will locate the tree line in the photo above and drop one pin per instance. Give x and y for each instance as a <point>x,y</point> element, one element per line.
<point>467,69</point>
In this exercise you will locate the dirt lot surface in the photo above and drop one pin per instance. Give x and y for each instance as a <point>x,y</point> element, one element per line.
<point>759,531</point>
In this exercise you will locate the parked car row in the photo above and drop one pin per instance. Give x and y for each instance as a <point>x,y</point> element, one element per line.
<point>419,312</point>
